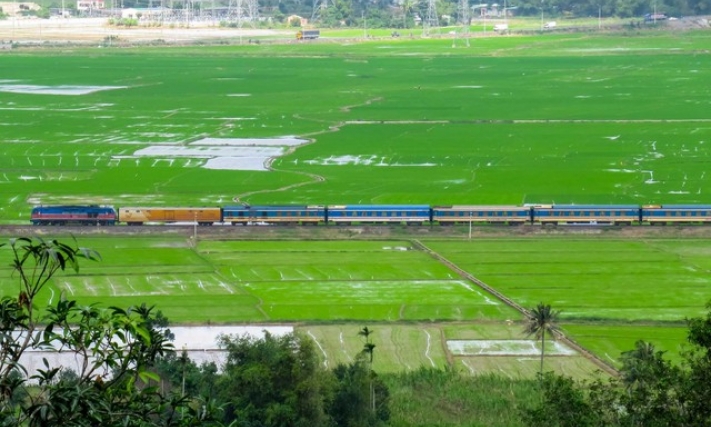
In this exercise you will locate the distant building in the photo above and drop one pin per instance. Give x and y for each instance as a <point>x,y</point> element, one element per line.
<point>296,18</point>
<point>83,5</point>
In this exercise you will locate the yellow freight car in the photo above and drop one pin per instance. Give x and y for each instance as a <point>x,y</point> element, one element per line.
<point>140,215</point>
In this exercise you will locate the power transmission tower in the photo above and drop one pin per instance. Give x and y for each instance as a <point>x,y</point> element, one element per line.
<point>465,20</point>
<point>243,10</point>
<point>431,22</point>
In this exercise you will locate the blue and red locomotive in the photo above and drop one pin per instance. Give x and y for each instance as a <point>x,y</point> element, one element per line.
<point>73,215</point>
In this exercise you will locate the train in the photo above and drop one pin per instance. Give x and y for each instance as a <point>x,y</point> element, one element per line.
<point>249,215</point>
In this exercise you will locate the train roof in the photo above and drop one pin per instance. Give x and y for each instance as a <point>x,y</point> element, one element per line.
<point>176,208</point>
<point>72,207</point>
<point>680,207</point>
<point>377,207</point>
<point>595,207</point>
<point>268,207</point>
<point>480,207</point>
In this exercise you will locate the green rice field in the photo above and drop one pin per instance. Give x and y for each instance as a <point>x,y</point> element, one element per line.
<point>611,292</point>
<point>560,118</point>
<point>629,280</point>
<point>511,120</point>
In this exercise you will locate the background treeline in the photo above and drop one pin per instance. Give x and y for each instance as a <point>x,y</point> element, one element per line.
<point>407,13</point>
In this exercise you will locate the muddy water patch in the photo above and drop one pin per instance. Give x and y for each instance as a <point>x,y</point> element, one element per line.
<point>64,90</point>
<point>251,154</point>
<point>506,348</point>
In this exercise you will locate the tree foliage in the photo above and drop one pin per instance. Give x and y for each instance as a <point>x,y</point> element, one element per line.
<point>651,391</point>
<point>280,381</point>
<point>128,374</point>
<point>114,350</point>
<point>352,401</point>
<point>275,381</point>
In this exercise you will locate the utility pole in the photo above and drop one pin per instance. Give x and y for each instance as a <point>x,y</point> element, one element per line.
<point>365,27</point>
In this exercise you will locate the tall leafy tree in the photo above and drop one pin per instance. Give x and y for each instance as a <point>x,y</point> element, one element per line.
<point>351,402</point>
<point>114,350</point>
<point>275,381</point>
<point>541,319</point>
<point>650,392</point>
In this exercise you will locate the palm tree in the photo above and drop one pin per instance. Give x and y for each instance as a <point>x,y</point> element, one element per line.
<point>541,319</point>
<point>368,348</point>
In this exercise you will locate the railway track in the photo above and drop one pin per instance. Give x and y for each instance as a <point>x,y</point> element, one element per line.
<point>324,232</point>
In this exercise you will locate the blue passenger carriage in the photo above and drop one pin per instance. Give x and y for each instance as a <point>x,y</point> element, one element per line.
<point>465,214</point>
<point>379,214</point>
<point>587,214</point>
<point>73,215</point>
<point>274,214</point>
<point>675,214</point>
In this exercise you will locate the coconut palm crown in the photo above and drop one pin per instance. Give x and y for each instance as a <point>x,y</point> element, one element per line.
<point>541,319</point>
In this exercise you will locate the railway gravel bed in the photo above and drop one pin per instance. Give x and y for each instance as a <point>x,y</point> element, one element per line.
<point>343,232</point>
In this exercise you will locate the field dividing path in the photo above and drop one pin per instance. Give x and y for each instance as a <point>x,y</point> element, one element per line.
<point>602,364</point>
